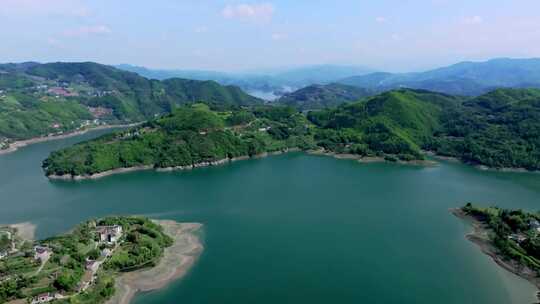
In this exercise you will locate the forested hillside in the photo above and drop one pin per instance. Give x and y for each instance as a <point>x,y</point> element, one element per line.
<point>41,99</point>
<point>191,135</point>
<point>499,129</point>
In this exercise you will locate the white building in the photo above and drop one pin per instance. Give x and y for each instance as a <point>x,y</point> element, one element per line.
<point>109,234</point>
<point>42,253</point>
<point>43,298</point>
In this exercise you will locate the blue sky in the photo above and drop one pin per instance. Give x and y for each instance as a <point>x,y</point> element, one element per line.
<point>393,35</point>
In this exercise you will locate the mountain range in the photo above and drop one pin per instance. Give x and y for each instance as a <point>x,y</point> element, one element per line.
<point>265,83</point>
<point>465,78</point>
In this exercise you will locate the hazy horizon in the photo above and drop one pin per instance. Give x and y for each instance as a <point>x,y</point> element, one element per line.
<point>241,36</point>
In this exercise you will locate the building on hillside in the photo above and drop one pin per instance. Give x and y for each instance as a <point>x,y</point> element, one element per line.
<point>92,266</point>
<point>109,234</point>
<point>3,254</point>
<point>42,253</point>
<point>43,298</point>
<point>517,237</point>
<point>534,224</point>
<point>106,252</point>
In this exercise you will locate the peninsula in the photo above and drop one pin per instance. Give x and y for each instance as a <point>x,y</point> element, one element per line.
<point>510,237</point>
<point>99,261</point>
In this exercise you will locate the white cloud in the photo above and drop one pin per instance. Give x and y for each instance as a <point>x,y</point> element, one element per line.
<point>253,12</point>
<point>279,36</point>
<point>201,29</point>
<point>87,31</point>
<point>472,20</point>
<point>381,20</point>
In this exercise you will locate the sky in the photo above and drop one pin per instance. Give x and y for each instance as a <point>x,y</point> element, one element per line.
<point>388,35</point>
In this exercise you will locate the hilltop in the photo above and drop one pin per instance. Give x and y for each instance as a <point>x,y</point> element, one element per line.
<point>316,97</point>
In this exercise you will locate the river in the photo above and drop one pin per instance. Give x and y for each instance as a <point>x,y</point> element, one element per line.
<point>296,228</point>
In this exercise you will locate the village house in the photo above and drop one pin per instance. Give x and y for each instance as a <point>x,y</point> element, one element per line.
<point>3,254</point>
<point>534,224</point>
<point>42,253</point>
<point>43,298</point>
<point>106,252</point>
<point>92,265</point>
<point>517,237</point>
<point>109,234</point>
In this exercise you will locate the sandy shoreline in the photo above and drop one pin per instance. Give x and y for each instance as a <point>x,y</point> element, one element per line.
<point>175,263</point>
<point>26,230</point>
<point>16,145</point>
<point>480,236</point>
<point>372,159</point>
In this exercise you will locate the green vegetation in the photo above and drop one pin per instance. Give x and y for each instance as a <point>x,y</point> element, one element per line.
<point>499,129</point>
<point>42,99</point>
<point>317,97</point>
<point>398,123</point>
<point>191,135</point>
<point>515,233</point>
<point>79,267</point>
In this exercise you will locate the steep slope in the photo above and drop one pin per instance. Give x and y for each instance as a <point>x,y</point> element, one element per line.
<point>323,96</point>
<point>397,122</point>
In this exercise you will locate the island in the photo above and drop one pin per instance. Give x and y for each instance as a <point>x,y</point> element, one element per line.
<point>510,237</point>
<point>106,260</point>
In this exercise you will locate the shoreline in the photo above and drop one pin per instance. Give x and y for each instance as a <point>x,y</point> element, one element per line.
<point>225,161</point>
<point>16,145</point>
<point>372,159</point>
<point>176,262</point>
<point>479,166</point>
<point>25,230</point>
<point>480,237</point>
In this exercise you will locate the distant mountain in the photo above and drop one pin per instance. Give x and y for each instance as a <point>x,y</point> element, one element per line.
<point>323,96</point>
<point>40,99</point>
<point>466,78</point>
<point>260,83</point>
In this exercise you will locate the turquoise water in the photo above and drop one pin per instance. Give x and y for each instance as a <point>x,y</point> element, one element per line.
<point>296,228</point>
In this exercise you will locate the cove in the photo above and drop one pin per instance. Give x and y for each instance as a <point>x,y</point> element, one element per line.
<point>296,227</point>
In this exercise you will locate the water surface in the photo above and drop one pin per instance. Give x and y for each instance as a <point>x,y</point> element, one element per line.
<point>296,228</point>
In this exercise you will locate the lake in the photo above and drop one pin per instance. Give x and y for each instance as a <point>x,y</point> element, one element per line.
<point>296,228</point>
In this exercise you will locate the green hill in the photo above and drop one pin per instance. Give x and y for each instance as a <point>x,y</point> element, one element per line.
<point>190,136</point>
<point>40,99</point>
<point>397,122</point>
<point>498,129</point>
<point>323,96</point>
